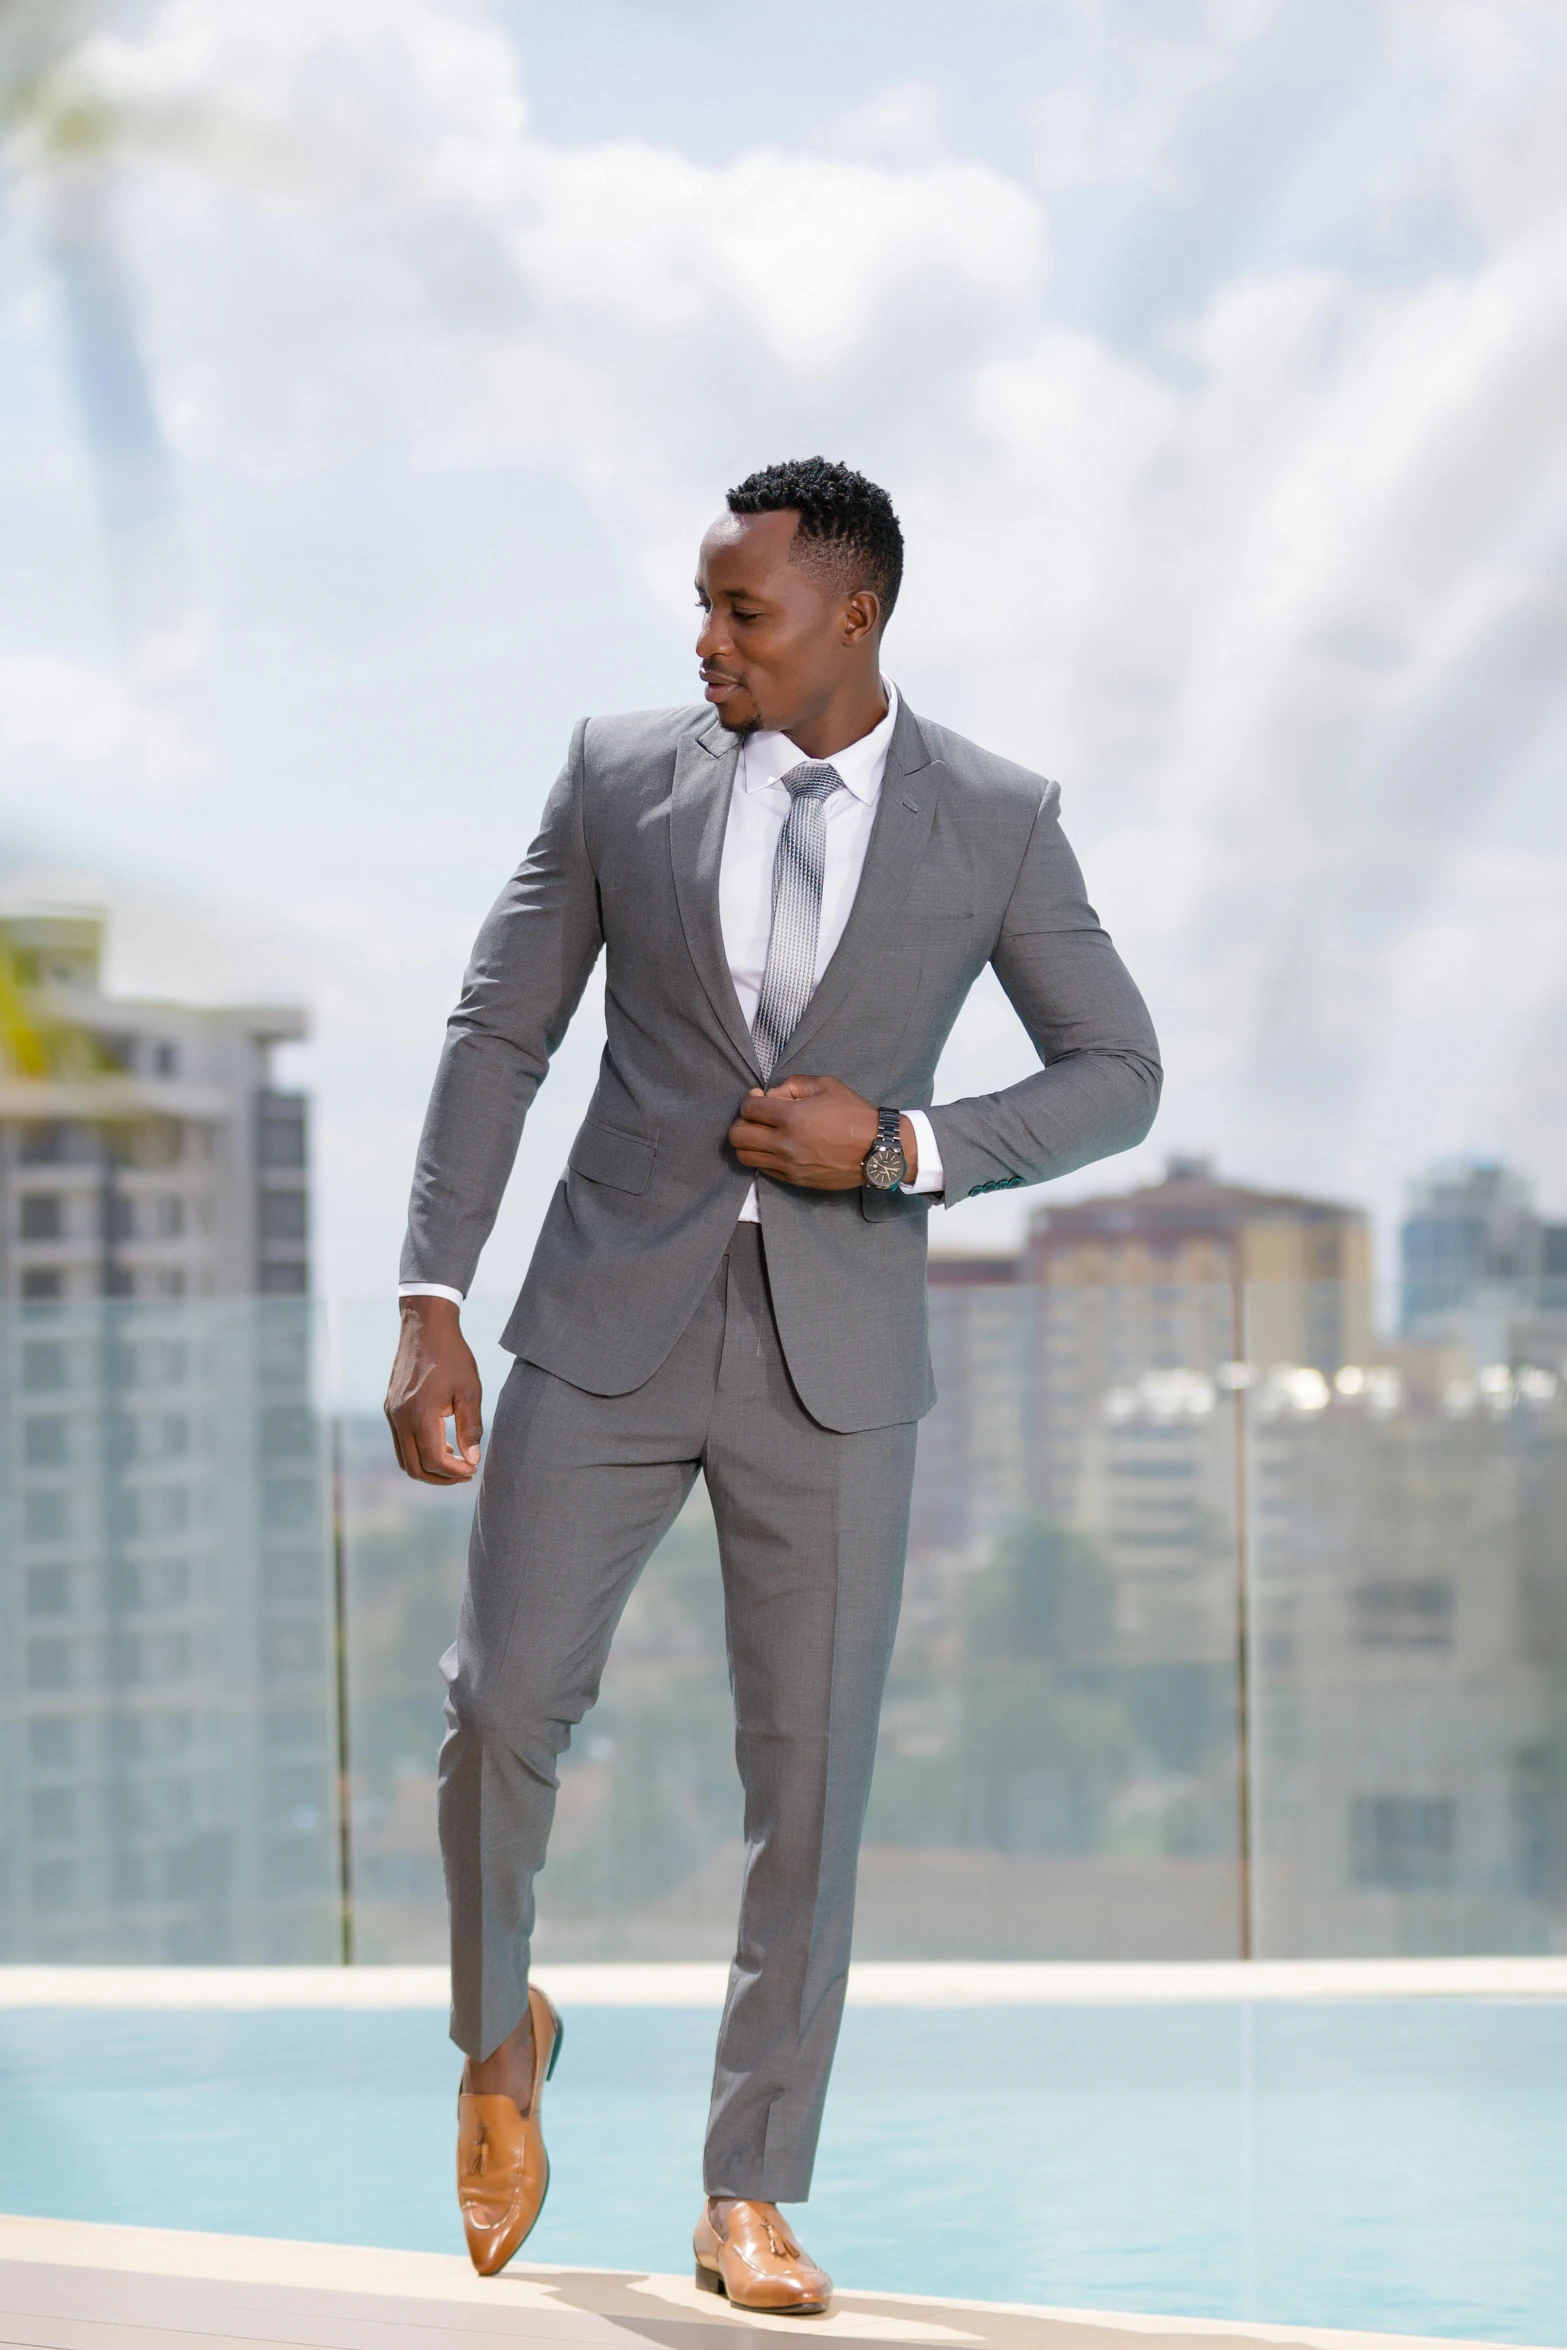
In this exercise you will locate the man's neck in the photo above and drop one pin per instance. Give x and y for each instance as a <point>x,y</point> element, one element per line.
<point>833,729</point>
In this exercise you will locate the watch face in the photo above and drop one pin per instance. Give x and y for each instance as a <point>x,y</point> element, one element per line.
<point>886,1166</point>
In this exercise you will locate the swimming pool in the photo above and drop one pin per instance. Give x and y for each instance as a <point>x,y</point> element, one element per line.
<point>1397,2163</point>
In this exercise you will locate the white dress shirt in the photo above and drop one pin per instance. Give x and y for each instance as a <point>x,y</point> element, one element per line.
<point>757,808</point>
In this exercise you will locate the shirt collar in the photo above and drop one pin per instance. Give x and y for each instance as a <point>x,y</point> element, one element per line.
<point>859,765</point>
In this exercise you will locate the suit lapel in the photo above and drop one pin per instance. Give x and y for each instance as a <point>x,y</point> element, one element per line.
<point>904,815</point>
<point>699,813</point>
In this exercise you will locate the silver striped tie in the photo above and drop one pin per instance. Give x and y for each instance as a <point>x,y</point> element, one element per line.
<point>799,863</point>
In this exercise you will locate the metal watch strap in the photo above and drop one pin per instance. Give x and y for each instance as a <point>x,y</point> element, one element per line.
<point>889,1129</point>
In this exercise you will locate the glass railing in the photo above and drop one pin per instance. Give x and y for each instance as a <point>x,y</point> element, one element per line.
<point>1232,1625</point>
<point>169,1764</point>
<point>1406,1536</point>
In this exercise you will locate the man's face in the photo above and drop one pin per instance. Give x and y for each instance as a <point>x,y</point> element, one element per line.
<point>777,639</point>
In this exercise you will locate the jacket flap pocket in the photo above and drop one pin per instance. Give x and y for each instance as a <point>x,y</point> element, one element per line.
<point>605,1155</point>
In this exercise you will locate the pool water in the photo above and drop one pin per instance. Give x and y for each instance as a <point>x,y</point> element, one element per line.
<point>1396,2164</point>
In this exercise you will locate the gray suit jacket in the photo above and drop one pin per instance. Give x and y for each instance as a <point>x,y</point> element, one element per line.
<point>966,865</point>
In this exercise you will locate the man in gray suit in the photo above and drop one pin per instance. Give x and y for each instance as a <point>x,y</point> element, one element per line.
<point>794,889</point>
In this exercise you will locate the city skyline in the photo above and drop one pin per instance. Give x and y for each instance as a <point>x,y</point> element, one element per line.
<point>1166,1395</point>
<point>71,1046</point>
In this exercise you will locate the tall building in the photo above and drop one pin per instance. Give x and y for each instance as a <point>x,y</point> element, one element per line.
<point>970,1477</point>
<point>1185,1381</point>
<point>1181,1256</point>
<point>1410,1607</point>
<point>1139,1294</point>
<point>1481,1265</point>
<point>166,1739</point>
<point>144,1150</point>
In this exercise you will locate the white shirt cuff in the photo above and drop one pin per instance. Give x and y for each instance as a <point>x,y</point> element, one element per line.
<point>430,1289</point>
<point>928,1174</point>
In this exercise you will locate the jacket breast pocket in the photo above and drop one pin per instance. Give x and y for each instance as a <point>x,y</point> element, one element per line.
<point>606,1155</point>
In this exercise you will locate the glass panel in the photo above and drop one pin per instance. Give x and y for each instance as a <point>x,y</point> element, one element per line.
<point>644,1861</point>
<point>404,1550</point>
<point>1058,1764</point>
<point>167,1725</point>
<point>1408,1537</point>
<point>1057,1769</point>
<point>1057,1772</point>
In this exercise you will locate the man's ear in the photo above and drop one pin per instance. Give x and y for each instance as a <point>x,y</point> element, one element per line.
<point>861,614</point>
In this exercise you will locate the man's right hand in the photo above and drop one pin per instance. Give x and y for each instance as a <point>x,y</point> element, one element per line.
<point>434,1379</point>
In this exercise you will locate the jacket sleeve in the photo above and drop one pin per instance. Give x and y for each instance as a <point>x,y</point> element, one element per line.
<point>1099,1085</point>
<point>530,964</point>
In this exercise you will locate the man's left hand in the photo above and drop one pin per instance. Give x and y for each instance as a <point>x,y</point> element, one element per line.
<point>814,1131</point>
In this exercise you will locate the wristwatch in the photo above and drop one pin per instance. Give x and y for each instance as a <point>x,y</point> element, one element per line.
<point>885,1165</point>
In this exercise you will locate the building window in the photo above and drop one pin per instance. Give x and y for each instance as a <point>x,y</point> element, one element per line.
<point>48,1591</point>
<point>160,1807</point>
<point>48,1664</point>
<point>148,1735</point>
<point>151,1509</point>
<point>287,1431</point>
<point>1534,1845</point>
<point>117,1049</point>
<point>46,1516</point>
<point>148,1658</point>
<point>282,1215</point>
<point>46,1441</point>
<point>128,1876</point>
<point>52,1813</point>
<point>51,1742</point>
<point>280,1136</point>
<point>150,1583</point>
<point>56,1142</point>
<point>287,1503</point>
<point>42,1216</point>
<point>41,1285</point>
<point>1403,1843</point>
<point>43,1367</point>
<point>166,1059</point>
<point>283,1280</point>
<point>1417,1617</point>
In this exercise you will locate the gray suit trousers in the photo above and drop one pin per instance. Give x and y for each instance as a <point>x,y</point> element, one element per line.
<point>575,1492</point>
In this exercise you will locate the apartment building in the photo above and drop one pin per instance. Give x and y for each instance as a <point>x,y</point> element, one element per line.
<point>166,1786</point>
<point>1482,1267</point>
<point>1188,1378</point>
<point>144,1151</point>
<point>1410,1651</point>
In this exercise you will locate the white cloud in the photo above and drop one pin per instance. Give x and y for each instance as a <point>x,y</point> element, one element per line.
<point>1499,71</point>
<point>1121,118</point>
<point>66,726</point>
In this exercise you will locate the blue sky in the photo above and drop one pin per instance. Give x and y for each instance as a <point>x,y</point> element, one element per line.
<point>362,399</point>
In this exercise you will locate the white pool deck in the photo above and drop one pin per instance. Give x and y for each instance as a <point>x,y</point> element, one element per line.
<point>68,2285</point>
<point>72,2285</point>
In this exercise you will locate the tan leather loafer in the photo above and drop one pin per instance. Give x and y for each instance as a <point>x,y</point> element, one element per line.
<point>503,2171</point>
<point>757,2261</point>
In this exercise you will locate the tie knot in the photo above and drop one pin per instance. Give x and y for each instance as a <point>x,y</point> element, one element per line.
<point>813,779</point>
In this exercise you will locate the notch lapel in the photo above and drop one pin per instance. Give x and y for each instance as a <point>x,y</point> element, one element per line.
<point>698,815</point>
<point>905,812</point>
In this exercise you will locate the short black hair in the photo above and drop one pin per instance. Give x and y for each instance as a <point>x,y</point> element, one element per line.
<point>849,518</point>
